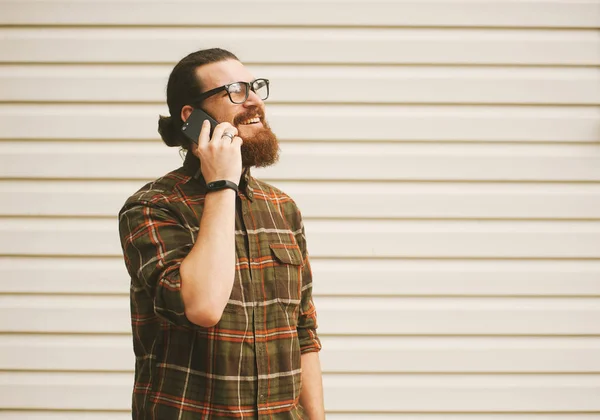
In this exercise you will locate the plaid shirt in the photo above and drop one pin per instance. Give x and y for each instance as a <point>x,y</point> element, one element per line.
<point>248,365</point>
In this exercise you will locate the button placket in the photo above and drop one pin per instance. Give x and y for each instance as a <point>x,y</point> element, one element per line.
<point>258,319</point>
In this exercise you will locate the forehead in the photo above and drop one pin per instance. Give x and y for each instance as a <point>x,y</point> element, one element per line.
<point>222,73</point>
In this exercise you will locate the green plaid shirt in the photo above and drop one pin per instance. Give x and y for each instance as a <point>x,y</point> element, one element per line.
<point>248,365</point>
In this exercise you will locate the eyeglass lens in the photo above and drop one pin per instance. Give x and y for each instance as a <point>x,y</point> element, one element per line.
<point>238,91</point>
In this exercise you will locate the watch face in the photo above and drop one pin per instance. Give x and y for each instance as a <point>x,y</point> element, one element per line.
<point>216,184</point>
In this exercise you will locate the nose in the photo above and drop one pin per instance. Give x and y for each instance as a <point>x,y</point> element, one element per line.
<point>253,100</point>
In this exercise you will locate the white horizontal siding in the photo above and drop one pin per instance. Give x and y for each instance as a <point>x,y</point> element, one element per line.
<point>489,13</point>
<point>388,393</point>
<point>306,45</point>
<point>393,162</point>
<point>330,84</point>
<point>333,123</point>
<point>88,415</point>
<point>337,315</point>
<point>416,200</point>
<point>444,154</point>
<point>334,277</point>
<point>378,354</point>
<point>340,239</point>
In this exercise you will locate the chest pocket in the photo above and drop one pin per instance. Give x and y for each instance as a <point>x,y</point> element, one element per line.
<point>288,274</point>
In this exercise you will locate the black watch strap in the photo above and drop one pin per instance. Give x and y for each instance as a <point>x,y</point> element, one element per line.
<point>221,185</point>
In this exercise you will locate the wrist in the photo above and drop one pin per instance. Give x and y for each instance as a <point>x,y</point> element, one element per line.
<point>220,185</point>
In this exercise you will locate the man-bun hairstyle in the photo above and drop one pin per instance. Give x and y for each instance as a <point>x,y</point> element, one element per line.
<point>182,88</point>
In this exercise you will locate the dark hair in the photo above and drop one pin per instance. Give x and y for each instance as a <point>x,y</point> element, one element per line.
<point>183,86</point>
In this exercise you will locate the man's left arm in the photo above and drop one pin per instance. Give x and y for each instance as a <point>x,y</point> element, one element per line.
<point>311,397</point>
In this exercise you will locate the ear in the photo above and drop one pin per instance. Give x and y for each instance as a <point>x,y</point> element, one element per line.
<point>185,112</point>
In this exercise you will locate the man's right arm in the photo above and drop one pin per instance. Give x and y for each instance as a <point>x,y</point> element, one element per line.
<point>208,271</point>
<point>190,283</point>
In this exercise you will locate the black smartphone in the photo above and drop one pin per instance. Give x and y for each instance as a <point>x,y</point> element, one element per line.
<point>191,128</point>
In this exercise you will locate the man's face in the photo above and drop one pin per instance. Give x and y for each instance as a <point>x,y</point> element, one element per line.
<point>260,147</point>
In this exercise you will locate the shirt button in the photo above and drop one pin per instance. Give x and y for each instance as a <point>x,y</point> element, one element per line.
<point>250,194</point>
<point>262,397</point>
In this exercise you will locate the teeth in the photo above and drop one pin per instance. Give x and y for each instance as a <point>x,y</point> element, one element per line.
<point>251,121</point>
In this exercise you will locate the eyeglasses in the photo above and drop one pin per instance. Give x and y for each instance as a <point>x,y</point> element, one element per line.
<point>238,91</point>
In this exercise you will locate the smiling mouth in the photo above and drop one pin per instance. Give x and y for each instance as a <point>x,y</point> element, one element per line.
<point>251,121</point>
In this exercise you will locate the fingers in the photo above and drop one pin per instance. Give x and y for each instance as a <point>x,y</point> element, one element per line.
<point>237,142</point>
<point>204,134</point>
<point>218,137</point>
<point>220,155</point>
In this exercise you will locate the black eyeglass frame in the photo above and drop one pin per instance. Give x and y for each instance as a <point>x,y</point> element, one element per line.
<point>249,87</point>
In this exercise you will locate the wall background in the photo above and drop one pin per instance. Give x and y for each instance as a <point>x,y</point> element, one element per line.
<point>444,153</point>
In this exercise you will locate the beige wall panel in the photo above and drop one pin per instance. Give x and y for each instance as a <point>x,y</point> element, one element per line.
<point>393,162</point>
<point>313,84</point>
<point>337,315</point>
<point>339,239</point>
<point>115,415</point>
<point>334,277</point>
<point>328,122</point>
<point>345,393</point>
<point>333,200</point>
<point>452,200</point>
<point>306,45</point>
<point>375,354</point>
<point>523,13</point>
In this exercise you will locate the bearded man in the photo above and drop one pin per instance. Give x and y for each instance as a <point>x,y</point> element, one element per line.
<point>223,319</point>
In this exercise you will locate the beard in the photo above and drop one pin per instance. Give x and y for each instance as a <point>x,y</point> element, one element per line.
<point>261,149</point>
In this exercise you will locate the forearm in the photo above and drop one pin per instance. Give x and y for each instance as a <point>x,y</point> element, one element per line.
<point>208,271</point>
<point>311,397</point>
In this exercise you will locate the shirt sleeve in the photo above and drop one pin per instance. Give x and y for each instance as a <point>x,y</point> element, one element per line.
<point>154,243</point>
<point>307,319</point>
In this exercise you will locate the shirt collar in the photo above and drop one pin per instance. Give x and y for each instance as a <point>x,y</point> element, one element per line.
<point>191,165</point>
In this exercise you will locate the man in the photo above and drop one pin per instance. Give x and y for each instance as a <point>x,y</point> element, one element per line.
<point>223,320</point>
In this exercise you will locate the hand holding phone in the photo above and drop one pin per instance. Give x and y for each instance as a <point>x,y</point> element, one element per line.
<point>219,154</point>
<point>192,126</point>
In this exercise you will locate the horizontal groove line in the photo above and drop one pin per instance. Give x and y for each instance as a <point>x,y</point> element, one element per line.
<point>325,219</point>
<point>366,142</point>
<point>466,414</point>
<point>330,295</point>
<point>467,336</point>
<point>363,64</point>
<point>331,64</point>
<point>449,27</point>
<point>341,258</point>
<point>422,105</point>
<point>331,103</point>
<point>331,181</point>
<point>339,373</point>
<point>312,181</point>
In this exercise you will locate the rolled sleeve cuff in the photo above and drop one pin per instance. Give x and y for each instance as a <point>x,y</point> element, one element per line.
<point>309,340</point>
<point>168,303</point>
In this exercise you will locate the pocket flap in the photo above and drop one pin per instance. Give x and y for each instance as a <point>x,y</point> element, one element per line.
<point>287,253</point>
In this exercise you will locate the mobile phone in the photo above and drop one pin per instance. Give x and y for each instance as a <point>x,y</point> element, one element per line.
<point>191,127</point>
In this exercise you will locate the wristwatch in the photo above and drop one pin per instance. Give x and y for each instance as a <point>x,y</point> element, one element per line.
<point>221,185</point>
